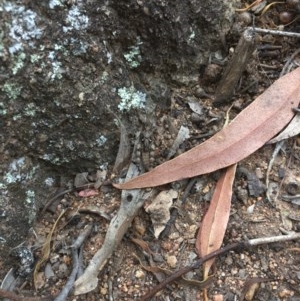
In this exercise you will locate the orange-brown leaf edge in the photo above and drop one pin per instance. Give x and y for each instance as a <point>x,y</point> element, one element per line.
<point>213,226</point>
<point>266,116</point>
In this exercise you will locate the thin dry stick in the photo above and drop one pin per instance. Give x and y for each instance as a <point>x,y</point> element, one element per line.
<point>235,68</point>
<point>187,269</point>
<point>278,147</point>
<point>234,246</point>
<point>68,286</point>
<point>276,32</point>
<point>76,246</point>
<point>287,66</point>
<point>15,297</point>
<point>131,202</point>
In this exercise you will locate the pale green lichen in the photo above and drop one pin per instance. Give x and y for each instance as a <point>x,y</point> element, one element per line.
<point>70,145</point>
<point>103,77</point>
<point>12,90</point>
<point>16,117</point>
<point>30,205</point>
<point>34,58</point>
<point>49,181</point>
<point>56,70</point>
<point>54,160</point>
<point>18,62</point>
<point>191,37</point>
<point>30,110</point>
<point>76,20</point>
<point>3,186</point>
<point>131,98</point>
<point>22,29</point>
<point>54,3</point>
<point>100,141</point>
<point>133,57</point>
<point>18,171</point>
<point>30,196</point>
<point>3,111</point>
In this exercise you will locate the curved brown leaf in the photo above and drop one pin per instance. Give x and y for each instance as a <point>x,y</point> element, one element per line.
<point>250,130</point>
<point>214,224</point>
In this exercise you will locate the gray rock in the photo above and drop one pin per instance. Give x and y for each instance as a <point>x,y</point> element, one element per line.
<point>64,62</point>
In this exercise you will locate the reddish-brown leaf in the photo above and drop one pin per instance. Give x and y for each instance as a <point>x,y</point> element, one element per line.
<point>250,130</point>
<point>214,224</point>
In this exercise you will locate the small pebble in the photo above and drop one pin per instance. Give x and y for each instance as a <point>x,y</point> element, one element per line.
<point>172,261</point>
<point>218,297</point>
<point>49,271</point>
<point>139,274</point>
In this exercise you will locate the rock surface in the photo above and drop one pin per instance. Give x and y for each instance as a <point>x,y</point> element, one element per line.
<point>64,63</point>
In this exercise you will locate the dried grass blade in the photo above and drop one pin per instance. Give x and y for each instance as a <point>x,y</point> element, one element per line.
<point>46,250</point>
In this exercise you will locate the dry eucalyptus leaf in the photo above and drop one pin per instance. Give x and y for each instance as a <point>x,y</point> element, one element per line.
<point>265,117</point>
<point>214,224</point>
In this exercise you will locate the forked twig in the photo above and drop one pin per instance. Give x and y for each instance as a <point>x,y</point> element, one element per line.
<point>76,250</point>
<point>131,202</point>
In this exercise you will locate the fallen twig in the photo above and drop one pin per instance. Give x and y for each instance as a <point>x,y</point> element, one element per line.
<point>15,297</point>
<point>288,65</point>
<point>187,269</point>
<point>76,250</point>
<point>235,68</point>
<point>234,246</point>
<point>276,32</point>
<point>131,202</point>
<point>68,286</point>
<point>82,237</point>
<point>62,193</point>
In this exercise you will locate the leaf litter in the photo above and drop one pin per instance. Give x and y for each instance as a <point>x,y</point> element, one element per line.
<point>112,248</point>
<point>266,116</point>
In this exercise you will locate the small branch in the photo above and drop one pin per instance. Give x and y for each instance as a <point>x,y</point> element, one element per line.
<point>76,250</point>
<point>15,297</point>
<point>131,202</point>
<point>235,68</point>
<point>187,269</point>
<point>68,286</point>
<point>235,246</point>
<point>82,237</point>
<point>276,32</point>
<point>271,239</point>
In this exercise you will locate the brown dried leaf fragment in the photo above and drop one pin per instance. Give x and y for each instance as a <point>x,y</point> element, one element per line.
<point>250,130</point>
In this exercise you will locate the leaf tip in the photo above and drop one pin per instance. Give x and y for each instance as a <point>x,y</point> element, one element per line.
<point>118,186</point>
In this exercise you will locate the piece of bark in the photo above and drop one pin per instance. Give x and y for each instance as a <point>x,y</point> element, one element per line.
<point>235,68</point>
<point>123,156</point>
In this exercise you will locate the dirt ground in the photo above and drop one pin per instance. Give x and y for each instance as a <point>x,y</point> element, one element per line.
<point>274,268</point>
